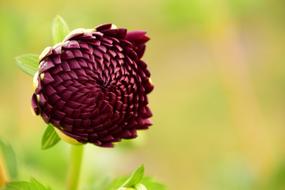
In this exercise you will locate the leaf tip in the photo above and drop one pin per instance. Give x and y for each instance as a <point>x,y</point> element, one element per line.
<point>58,18</point>
<point>28,63</point>
<point>140,168</point>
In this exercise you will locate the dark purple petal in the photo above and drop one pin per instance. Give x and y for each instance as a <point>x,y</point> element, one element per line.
<point>137,37</point>
<point>35,104</point>
<point>104,27</point>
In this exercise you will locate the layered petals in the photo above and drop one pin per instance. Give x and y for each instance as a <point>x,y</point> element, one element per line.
<point>93,86</point>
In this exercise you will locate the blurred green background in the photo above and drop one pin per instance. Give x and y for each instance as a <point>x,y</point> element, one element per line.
<point>219,74</point>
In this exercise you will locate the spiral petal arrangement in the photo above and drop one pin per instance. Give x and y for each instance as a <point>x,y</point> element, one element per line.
<point>93,86</point>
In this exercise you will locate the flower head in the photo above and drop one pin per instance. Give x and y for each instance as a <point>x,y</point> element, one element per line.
<point>93,86</point>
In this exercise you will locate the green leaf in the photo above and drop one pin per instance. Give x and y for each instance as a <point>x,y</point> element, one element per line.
<point>19,185</point>
<point>25,185</point>
<point>50,138</point>
<point>117,183</point>
<point>9,157</point>
<point>28,63</point>
<point>150,184</point>
<point>59,29</point>
<point>37,185</point>
<point>135,177</point>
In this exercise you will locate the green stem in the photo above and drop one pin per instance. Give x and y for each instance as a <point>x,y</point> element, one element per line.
<point>76,155</point>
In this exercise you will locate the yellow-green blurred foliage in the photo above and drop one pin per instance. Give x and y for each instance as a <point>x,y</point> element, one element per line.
<point>219,72</point>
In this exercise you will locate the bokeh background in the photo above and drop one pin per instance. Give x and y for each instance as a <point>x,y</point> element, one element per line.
<point>219,74</point>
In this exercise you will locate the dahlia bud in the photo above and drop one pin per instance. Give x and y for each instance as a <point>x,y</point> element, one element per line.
<point>93,86</point>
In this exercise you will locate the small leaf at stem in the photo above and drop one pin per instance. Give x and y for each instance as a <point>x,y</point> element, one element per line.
<point>50,138</point>
<point>59,29</point>
<point>28,63</point>
<point>135,177</point>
